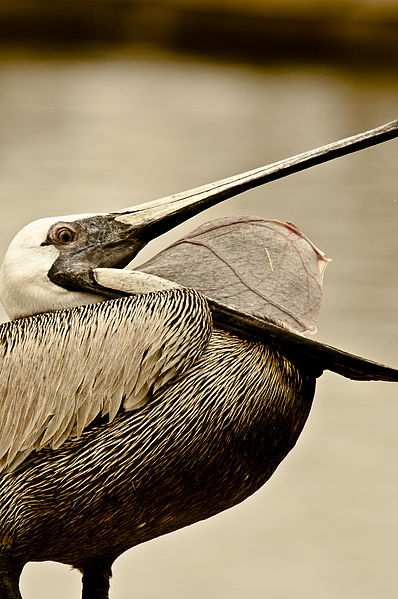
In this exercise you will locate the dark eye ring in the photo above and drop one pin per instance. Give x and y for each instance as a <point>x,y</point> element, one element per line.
<point>64,235</point>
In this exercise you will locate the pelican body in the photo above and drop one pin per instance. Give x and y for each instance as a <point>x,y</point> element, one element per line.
<point>124,419</point>
<point>131,406</point>
<point>199,444</point>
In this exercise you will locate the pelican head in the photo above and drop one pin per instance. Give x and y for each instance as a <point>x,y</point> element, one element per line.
<point>25,285</point>
<point>50,263</point>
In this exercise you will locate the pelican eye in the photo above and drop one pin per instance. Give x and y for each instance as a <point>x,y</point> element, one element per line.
<point>64,235</point>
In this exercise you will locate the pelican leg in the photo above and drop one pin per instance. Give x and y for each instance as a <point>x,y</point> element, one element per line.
<point>9,578</point>
<point>96,576</point>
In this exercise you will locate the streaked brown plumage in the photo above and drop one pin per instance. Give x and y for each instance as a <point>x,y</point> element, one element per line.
<point>201,443</point>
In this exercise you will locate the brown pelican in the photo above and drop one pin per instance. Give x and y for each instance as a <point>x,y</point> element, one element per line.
<point>125,419</point>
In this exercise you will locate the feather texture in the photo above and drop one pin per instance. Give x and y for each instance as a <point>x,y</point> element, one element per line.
<point>61,370</point>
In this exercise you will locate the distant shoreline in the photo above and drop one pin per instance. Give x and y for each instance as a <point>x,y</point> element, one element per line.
<point>360,32</point>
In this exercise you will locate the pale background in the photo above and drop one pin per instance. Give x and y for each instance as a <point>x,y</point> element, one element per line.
<point>88,132</point>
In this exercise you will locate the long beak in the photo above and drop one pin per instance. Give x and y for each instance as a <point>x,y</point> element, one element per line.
<point>159,216</point>
<point>113,240</point>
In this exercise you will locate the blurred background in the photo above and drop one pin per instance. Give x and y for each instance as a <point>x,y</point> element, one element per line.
<point>109,103</point>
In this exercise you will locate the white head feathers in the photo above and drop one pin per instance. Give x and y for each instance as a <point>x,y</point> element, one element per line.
<point>25,288</point>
